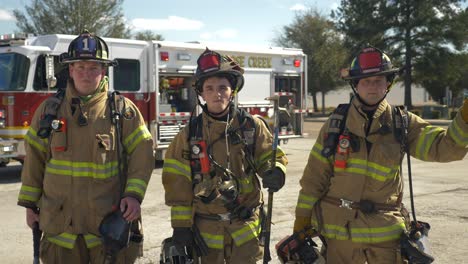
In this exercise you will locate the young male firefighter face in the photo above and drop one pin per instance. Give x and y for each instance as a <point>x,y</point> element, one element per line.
<point>211,168</point>
<point>351,189</point>
<point>71,167</point>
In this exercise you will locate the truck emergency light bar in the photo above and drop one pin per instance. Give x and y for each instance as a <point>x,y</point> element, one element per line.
<point>14,39</point>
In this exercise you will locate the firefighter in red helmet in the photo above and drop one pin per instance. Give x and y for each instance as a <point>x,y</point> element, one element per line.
<point>83,165</point>
<point>351,188</point>
<point>211,168</point>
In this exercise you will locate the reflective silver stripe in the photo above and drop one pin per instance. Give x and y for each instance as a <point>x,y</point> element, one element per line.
<point>65,240</point>
<point>92,241</point>
<point>458,135</point>
<point>181,213</point>
<point>213,241</point>
<point>136,137</point>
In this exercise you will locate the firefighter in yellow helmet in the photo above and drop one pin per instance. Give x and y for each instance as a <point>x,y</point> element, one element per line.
<point>77,170</point>
<point>351,188</point>
<point>211,170</point>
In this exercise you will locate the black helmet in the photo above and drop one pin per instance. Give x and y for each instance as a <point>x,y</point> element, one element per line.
<point>370,62</point>
<point>173,253</point>
<point>87,47</point>
<point>211,63</point>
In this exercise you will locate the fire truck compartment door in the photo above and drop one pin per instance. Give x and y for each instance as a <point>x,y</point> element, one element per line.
<point>257,87</point>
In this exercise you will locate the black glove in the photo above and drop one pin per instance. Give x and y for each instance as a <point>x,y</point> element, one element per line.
<point>273,179</point>
<point>183,236</point>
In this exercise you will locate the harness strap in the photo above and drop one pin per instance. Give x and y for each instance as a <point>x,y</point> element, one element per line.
<point>364,206</point>
<point>51,108</point>
<point>337,125</point>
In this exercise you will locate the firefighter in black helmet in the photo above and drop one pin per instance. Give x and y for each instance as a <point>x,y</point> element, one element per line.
<point>351,188</point>
<point>74,157</point>
<point>211,167</point>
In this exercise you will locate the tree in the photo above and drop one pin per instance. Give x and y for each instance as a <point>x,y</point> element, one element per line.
<point>319,39</point>
<point>409,30</point>
<point>103,17</point>
<point>454,68</point>
<point>148,35</point>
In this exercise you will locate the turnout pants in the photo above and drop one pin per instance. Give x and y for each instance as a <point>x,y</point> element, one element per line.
<point>248,252</point>
<point>348,252</point>
<point>51,253</point>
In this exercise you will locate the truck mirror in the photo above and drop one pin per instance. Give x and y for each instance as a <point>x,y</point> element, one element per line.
<point>50,73</point>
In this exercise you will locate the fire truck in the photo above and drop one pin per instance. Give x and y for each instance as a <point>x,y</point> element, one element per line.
<point>156,75</point>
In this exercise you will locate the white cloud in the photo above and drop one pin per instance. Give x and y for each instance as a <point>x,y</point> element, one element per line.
<point>298,7</point>
<point>334,6</point>
<point>220,34</point>
<point>169,23</point>
<point>6,15</point>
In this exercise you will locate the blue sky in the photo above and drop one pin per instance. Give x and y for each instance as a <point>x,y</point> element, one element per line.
<point>254,22</point>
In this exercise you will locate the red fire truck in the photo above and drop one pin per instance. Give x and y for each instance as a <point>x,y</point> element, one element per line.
<point>156,75</point>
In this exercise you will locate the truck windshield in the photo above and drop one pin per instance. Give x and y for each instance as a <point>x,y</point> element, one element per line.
<point>14,69</point>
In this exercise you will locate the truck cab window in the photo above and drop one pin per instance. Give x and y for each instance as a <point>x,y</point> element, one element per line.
<point>61,73</point>
<point>14,69</point>
<point>127,75</point>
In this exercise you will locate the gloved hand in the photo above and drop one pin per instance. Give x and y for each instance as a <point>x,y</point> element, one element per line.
<point>302,224</point>
<point>464,111</point>
<point>183,236</point>
<point>273,180</point>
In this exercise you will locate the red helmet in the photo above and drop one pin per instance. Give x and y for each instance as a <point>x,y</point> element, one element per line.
<point>211,63</point>
<point>87,47</point>
<point>370,62</point>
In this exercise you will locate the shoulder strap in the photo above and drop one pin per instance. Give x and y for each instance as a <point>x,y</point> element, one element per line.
<point>336,127</point>
<point>52,104</point>
<point>400,124</point>
<point>248,129</point>
<point>116,106</point>
<point>196,128</point>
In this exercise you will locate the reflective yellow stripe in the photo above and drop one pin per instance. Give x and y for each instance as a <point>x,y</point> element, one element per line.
<point>213,241</point>
<point>177,167</point>
<point>370,169</point>
<point>377,234</point>
<point>139,134</point>
<point>317,153</point>
<point>181,213</point>
<point>92,241</point>
<point>281,166</point>
<point>305,201</point>
<point>82,169</point>
<point>457,133</point>
<point>35,141</point>
<point>246,233</point>
<point>65,240</point>
<point>363,235</point>
<point>29,193</point>
<point>136,185</point>
<point>425,141</point>
<point>265,158</point>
